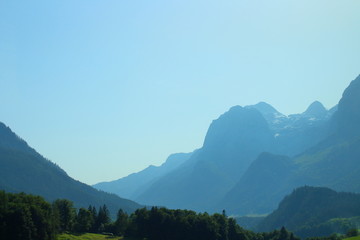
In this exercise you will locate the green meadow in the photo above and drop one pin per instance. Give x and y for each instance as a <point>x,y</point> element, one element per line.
<point>88,236</point>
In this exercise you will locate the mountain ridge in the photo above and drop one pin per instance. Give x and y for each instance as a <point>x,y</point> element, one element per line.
<point>131,185</point>
<point>24,170</point>
<point>307,211</point>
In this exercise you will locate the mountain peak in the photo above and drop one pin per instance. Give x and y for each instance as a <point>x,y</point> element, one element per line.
<point>235,108</point>
<point>264,108</point>
<point>316,109</point>
<point>238,121</point>
<point>273,117</point>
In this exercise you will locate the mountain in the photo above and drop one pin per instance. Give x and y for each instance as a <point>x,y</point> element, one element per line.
<point>22,169</point>
<point>307,211</point>
<point>316,111</point>
<point>132,185</point>
<point>332,162</point>
<point>274,118</point>
<point>347,117</point>
<point>253,155</point>
<point>261,179</point>
<point>232,142</point>
<point>297,132</point>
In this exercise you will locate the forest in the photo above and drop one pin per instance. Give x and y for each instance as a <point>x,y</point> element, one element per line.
<point>29,217</point>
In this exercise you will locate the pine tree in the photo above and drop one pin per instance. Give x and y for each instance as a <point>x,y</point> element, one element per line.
<point>121,223</point>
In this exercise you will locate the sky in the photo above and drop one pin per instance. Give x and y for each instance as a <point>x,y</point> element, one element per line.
<point>104,88</point>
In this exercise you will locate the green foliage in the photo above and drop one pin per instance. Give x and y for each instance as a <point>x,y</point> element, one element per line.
<point>28,217</point>
<point>121,223</point>
<point>163,224</point>
<point>102,219</point>
<point>65,211</point>
<point>25,217</point>
<point>352,232</point>
<point>84,221</point>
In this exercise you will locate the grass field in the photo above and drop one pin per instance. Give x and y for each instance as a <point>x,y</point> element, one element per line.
<point>353,238</point>
<point>87,236</point>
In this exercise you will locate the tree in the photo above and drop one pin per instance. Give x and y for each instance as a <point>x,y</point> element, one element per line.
<point>93,213</point>
<point>222,225</point>
<point>102,219</point>
<point>3,209</point>
<point>121,222</point>
<point>65,211</point>
<point>84,220</point>
<point>283,234</point>
<point>25,217</point>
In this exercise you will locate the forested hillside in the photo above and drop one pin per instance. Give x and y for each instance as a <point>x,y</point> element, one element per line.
<point>22,169</point>
<point>315,211</point>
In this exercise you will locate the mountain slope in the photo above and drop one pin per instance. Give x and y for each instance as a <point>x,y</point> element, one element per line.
<point>334,162</point>
<point>232,142</point>
<point>132,185</point>
<point>22,169</point>
<point>348,114</point>
<point>262,178</point>
<point>306,208</point>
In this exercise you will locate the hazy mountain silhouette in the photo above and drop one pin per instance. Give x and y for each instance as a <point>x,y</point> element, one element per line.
<point>334,162</point>
<point>22,169</point>
<point>134,184</point>
<point>261,179</point>
<point>347,118</point>
<point>297,132</point>
<point>232,142</point>
<point>251,158</point>
<point>316,111</point>
<point>274,118</point>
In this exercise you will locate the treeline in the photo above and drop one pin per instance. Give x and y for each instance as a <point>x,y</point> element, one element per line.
<point>29,217</point>
<point>164,224</point>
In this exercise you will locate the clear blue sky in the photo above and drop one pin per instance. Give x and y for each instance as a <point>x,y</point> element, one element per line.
<point>105,88</point>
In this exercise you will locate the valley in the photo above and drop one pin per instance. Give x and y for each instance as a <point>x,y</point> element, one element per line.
<point>300,172</point>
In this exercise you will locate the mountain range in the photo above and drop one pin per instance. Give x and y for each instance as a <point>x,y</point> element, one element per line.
<point>253,156</point>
